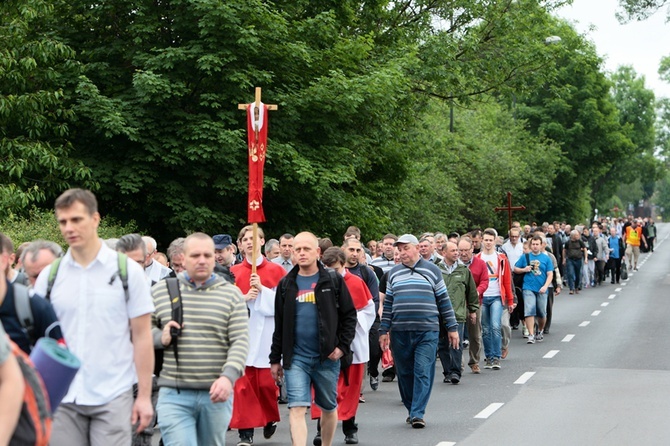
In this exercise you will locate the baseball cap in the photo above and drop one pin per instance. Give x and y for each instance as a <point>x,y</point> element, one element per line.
<point>407,238</point>
<point>222,241</point>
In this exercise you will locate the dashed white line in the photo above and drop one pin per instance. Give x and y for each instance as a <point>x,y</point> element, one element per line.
<point>585,323</point>
<point>490,410</point>
<point>551,354</point>
<point>446,443</point>
<point>624,284</point>
<point>568,338</point>
<point>604,304</point>
<point>618,289</point>
<point>611,296</point>
<point>595,313</point>
<point>523,379</point>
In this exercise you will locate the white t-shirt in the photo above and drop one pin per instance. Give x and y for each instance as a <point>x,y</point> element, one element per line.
<point>492,266</point>
<point>94,315</point>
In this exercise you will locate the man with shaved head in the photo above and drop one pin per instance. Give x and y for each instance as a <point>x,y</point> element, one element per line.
<point>317,301</point>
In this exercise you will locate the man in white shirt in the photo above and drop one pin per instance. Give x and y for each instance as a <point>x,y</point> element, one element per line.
<point>154,270</point>
<point>110,334</point>
<point>286,252</point>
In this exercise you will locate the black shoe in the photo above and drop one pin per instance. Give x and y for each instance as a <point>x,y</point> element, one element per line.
<point>388,378</point>
<point>352,438</point>
<point>317,439</point>
<point>374,382</point>
<point>269,430</point>
<point>246,440</point>
<point>446,380</point>
<point>281,400</point>
<point>418,423</point>
<point>454,378</point>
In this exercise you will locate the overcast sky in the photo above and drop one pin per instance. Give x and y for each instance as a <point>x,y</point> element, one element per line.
<point>640,44</point>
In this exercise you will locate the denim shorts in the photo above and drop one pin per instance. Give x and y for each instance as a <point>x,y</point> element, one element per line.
<point>534,304</point>
<point>306,371</point>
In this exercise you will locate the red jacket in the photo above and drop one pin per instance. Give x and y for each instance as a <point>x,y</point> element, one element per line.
<point>481,275</point>
<point>504,278</point>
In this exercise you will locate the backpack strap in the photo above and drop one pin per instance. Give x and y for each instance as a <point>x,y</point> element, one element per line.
<point>24,312</point>
<point>527,259</point>
<point>174,292</point>
<point>53,271</point>
<point>123,273</point>
<point>336,285</point>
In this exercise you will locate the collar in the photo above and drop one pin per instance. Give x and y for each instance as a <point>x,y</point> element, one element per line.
<point>104,254</point>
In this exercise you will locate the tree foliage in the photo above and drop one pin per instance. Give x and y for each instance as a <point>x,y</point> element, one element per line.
<point>577,111</point>
<point>639,9</point>
<point>148,93</point>
<point>36,69</point>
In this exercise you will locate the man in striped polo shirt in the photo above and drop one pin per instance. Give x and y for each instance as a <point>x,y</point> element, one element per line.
<point>416,297</point>
<point>208,356</point>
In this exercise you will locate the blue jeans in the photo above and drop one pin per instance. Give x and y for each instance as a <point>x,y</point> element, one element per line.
<point>304,373</point>
<point>492,310</point>
<point>535,303</point>
<point>574,270</point>
<point>451,358</point>
<point>189,418</point>
<point>414,355</point>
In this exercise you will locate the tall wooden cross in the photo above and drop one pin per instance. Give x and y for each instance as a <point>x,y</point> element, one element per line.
<point>510,208</point>
<point>253,156</point>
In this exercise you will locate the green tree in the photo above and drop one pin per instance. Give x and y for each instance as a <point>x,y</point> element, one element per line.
<point>459,178</point>
<point>637,114</point>
<point>576,110</point>
<point>37,73</point>
<point>159,127</point>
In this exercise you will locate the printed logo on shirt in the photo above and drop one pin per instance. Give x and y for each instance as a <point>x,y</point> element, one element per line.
<point>306,297</point>
<point>535,265</point>
<point>493,275</point>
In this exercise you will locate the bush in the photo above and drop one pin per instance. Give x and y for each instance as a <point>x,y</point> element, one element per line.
<point>41,224</point>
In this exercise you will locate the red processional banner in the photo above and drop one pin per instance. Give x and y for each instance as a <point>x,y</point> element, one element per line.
<point>257,126</point>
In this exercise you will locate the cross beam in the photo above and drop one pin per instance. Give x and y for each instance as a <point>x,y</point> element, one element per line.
<point>509,208</point>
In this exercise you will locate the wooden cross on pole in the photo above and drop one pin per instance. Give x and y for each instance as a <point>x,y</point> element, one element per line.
<point>510,208</point>
<point>256,130</point>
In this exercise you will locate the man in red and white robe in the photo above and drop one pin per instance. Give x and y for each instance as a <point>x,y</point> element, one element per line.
<point>256,392</point>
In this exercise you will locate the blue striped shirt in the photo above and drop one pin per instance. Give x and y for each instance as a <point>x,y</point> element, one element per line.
<point>412,299</point>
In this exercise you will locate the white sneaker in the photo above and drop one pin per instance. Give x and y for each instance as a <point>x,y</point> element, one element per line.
<point>531,339</point>
<point>525,332</point>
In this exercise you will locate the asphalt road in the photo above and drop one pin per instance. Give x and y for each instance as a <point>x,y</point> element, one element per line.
<point>600,378</point>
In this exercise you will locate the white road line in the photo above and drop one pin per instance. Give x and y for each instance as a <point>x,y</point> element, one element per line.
<point>604,304</point>
<point>624,284</point>
<point>551,354</point>
<point>446,443</point>
<point>523,379</point>
<point>489,410</point>
<point>611,296</point>
<point>618,289</point>
<point>595,313</point>
<point>585,323</point>
<point>568,338</point>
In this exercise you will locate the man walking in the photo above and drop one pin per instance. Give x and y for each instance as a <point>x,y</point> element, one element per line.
<point>415,298</point>
<point>539,271</point>
<point>256,391</point>
<point>319,303</point>
<point>498,294</point>
<point>465,300</point>
<point>205,355</point>
<point>97,317</point>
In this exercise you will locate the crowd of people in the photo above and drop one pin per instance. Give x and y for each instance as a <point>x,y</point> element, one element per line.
<point>217,332</point>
